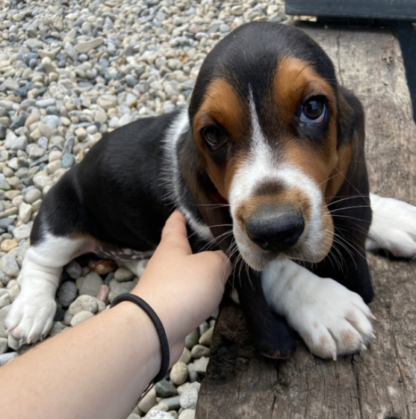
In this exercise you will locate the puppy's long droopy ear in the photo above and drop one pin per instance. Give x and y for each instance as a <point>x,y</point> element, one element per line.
<point>201,196</point>
<point>350,204</point>
<point>270,332</point>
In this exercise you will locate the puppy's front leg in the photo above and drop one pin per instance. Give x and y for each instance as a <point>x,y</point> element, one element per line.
<point>269,331</point>
<point>393,227</point>
<point>330,319</point>
<point>31,315</point>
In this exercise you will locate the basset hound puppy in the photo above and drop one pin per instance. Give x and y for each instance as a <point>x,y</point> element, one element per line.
<point>267,164</point>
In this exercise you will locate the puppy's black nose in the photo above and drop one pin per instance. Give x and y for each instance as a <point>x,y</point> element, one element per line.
<point>275,229</point>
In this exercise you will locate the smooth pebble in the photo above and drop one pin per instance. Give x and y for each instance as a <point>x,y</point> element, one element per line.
<point>148,401</point>
<point>81,317</point>
<point>179,373</point>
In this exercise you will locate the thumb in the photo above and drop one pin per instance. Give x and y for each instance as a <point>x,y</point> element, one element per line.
<point>174,234</point>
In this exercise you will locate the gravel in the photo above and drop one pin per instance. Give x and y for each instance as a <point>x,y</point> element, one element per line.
<point>206,337</point>
<point>189,397</point>
<point>70,72</point>
<point>91,284</point>
<point>80,317</point>
<point>179,373</point>
<point>123,275</point>
<point>67,293</point>
<point>148,401</point>
<point>192,339</point>
<point>164,388</point>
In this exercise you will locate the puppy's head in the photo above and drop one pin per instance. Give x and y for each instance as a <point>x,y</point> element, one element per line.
<point>266,116</point>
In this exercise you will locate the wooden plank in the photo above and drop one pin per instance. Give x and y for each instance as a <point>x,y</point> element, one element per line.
<point>407,37</point>
<point>377,384</point>
<point>368,9</point>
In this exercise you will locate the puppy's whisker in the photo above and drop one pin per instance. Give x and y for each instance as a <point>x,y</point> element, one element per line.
<point>350,228</point>
<point>343,199</point>
<point>247,270</point>
<point>359,193</point>
<point>214,205</point>
<point>352,207</point>
<point>339,261</point>
<point>235,263</point>
<point>338,256</point>
<point>343,240</point>
<point>218,225</point>
<point>241,268</point>
<point>330,255</point>
<point>233,271</point>
<point>223,271</point>
<point>232,253</point>
<point>336,241</point>
<point>249,279</point>
<point>216,241</point>
<point>349,233</point>
<point>326,180</point>
<point>231,249</point>
<point>192,235</point>
<point>343,216</point>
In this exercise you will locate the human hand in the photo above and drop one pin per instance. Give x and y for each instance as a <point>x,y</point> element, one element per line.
<point>182,288</point>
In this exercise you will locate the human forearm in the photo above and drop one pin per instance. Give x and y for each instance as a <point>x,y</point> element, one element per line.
<point>104,382</point>
<point>100,368</point>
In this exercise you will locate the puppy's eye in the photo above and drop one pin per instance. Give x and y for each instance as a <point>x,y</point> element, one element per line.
<point>214,136</point>
<point>313,111</point>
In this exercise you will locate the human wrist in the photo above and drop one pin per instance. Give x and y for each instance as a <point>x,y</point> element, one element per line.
<point>142,330</point>
<point>169,315</point>
<point>164,346</point>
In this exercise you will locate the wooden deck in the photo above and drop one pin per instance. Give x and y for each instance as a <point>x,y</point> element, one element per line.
<point>372,9</point>
<point>380,383</point>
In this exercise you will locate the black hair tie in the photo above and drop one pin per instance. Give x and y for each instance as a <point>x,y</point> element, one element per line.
<point>159,329</point>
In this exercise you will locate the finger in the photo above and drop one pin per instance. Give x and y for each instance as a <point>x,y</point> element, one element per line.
<point>226,265</point>
<point>215,263</point>
<point>174,234</point>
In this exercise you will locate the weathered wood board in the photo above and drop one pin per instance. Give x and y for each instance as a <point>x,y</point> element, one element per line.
<point>381,382</point>
<point>374,9</point>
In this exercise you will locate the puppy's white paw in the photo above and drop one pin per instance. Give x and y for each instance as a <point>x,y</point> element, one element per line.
<point>331,319</point>
<point>393,227</point>
<point>30,317</point>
